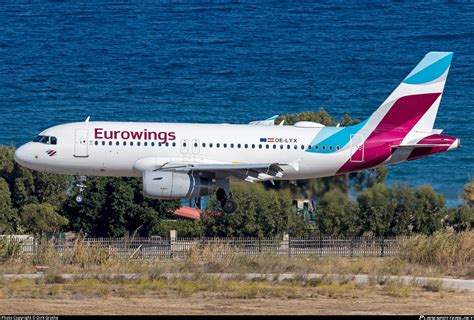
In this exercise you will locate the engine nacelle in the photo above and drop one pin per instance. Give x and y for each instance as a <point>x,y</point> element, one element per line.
<point>174,185</point>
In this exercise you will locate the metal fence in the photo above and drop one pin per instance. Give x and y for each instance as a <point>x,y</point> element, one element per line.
<point>179,247</point>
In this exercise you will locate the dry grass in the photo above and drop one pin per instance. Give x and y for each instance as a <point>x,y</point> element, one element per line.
<point>230,288</point>
<point>451,253</point>
<point>439,255</point>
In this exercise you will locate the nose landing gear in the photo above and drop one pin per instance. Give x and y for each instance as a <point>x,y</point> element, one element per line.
<point>81,184</point>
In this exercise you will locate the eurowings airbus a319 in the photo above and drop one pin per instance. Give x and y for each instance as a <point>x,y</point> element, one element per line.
<point>182,160</point>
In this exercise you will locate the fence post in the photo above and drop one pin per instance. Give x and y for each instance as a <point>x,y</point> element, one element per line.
<point>352,247</point>
<point>172,242</point>
<point>286,243</point>
<point>382,248</point>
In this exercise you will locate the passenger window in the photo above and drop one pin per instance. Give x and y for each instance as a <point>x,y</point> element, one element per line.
<point>274,146</point>
<point>145,143</point>
<point>330,147</point>
<point>184,144</point>
<point>167,144</point>
<point>117,143</point>
<point>260,146</point>
<point>96,143</point>
<point>217,145</point>
<point>225,145</point>
<point>152,144</point>
<point>246,146</point>
<point>281,146</point>
<point>337,148</point>
<point>288,146</point>
<point>316,147</point>
<point>295,147</point>
<point>267,146</point>
<point>110,143</point>
<point>138,143</point>
<point>125,143</point>
<point>210,145</point>
<point>324,147</point>
<point>195,144</point>
<point>231,145</point>
<point>302,147</point>
<point>131,143</point>
<point>253,146</point>
<point>203,144</point>
<point>238,146</point>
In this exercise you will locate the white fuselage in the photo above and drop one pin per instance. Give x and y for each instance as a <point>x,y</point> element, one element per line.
<point>118,149</point>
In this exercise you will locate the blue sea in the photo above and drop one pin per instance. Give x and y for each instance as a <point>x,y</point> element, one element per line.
<point>233,62</point>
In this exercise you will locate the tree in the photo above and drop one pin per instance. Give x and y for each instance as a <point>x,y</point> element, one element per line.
<point>376,210</point>
<point>41,218</point>
<point>183,227</point>
<point>114,207</point>
<point>429,212</point>
<point>261,213</point>
<point>7,163</point>
<point>468,194</point>
<point>461,218</point>
<point>402,219</point>
<point>362,180</point>
<point>7,212</point>
<point>30,186</point>
<point>337,214</point>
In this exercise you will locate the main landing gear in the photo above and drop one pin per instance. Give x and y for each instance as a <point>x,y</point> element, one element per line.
<point>224,196</point>
<point>81,184</point>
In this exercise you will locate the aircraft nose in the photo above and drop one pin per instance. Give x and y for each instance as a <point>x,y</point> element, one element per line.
<point>23,156</point>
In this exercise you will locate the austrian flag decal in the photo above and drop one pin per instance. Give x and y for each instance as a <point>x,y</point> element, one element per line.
<point>51,152</point>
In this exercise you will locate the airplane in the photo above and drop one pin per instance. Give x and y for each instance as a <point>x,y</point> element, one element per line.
<point>183,160</point>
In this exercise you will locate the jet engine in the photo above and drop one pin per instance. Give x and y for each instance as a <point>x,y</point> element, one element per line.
<point>174,185</point>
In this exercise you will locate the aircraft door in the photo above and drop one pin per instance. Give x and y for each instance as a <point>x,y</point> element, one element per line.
<point>80,144</point>
<point>184,146</point>
<point>195,146</point>
<point>357,148</point>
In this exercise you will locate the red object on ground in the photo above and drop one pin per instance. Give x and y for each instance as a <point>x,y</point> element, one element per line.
<point>188,212</point>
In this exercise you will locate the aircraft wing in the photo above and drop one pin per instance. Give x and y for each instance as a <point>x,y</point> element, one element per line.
<point>248,172</point>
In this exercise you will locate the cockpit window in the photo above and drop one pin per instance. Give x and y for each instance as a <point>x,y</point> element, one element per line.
<point>46,140</point>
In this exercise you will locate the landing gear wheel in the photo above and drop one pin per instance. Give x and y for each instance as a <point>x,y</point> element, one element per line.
<point>229,205</point>
<point>79,198</point>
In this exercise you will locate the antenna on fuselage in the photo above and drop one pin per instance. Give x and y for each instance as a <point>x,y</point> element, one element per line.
<point>88,118</point>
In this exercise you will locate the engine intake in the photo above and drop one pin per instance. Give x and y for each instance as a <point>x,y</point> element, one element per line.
<point>174,185</point>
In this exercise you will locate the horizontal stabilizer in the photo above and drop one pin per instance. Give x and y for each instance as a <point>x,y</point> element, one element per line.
<point>413,146</point>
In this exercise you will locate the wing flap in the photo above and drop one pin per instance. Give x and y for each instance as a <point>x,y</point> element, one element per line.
<point>249,172</point>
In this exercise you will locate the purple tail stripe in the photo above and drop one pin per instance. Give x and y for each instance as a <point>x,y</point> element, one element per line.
<point>394,126</point>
